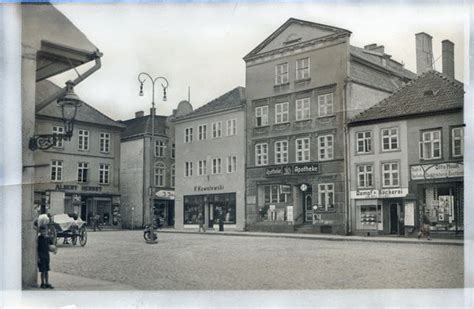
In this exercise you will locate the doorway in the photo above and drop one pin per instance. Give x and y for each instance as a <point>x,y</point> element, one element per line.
<point>308,205</point>
<point>394,220</point>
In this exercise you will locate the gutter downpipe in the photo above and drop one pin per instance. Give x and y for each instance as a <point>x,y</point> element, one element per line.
<point>98,64</point>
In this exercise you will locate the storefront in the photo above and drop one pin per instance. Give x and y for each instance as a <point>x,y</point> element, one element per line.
<point>164,207</point>
<point>440,196</point>
<point>379,212</point>
<point>213,207</point>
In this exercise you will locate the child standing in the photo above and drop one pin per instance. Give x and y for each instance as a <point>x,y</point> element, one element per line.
<point>200,219</point>
<point>44,243</point>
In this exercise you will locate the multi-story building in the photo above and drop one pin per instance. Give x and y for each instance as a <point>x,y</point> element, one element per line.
<point>81,175</point>
<point>210,163</point>
<point>407,157</point>
<point>302,83</point>
<point>140,168</point>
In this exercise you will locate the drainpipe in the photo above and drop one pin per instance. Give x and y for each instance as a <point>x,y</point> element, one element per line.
<point>45,102</point>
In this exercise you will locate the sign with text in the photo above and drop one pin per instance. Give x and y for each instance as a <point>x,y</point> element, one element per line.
<point>393,192</point>
<point>409,214</point>
<point>383,193</point>
<point>168,194</point>
<point>208,188</point>
<point>364,194</point>
<point>293,170</point>
<point>435,171</point>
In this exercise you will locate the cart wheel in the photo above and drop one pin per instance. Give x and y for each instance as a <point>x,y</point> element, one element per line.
<point>54,235</point>
<point>83,236</point>
<point>74,239</point>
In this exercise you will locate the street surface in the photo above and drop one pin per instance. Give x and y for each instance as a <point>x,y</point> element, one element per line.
<point>205,262</point>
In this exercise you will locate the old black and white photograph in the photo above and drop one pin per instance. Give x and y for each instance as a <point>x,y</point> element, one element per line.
<point>226,154</point>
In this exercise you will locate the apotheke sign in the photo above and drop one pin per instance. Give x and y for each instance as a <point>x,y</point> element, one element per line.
<point>292,170</point>
<point>434,171</point>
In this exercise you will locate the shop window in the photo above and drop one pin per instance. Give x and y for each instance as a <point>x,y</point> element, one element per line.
<point>261,154</point>
<point>193,205</point>
<point>457,142</point>
<point>277,194</point>
<point>430,145</point>
<point>281,74</point>
<point>391,174</point>
<point>390,139</point>
<point>326,147</point>
<point>326,196</point>
<point>261,116</point>
<point>282,112</point>
<point>281,152</point>
<point>302,69</point>
<point>303,111</point>
<point>202,132</point>
<point>364,142</point>
<point>325,105</point>
<point>302,149</point>
<point>370,217</point>
<point>223,207</point>
<point>59,131</point>
<point>365,176</point>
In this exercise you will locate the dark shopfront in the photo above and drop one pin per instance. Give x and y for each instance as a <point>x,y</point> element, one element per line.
<point>212,206</point>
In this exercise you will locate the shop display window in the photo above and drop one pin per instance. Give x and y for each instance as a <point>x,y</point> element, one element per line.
<point>370,217</point>
<point>193,205</point>
<point>442,208</point>
<point>278,196</point>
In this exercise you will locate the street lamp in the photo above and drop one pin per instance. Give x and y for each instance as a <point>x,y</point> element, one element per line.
<point>68,104</point>
<point>142,78</point>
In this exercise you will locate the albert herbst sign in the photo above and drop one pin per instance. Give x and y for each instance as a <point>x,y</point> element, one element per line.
<point>292,170</point>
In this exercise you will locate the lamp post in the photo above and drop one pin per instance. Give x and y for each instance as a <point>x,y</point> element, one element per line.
<point>68,104</point>
<point>142,78</point>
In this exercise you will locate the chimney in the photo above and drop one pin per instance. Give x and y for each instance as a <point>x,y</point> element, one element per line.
<point>139,114</point>
<point>375,48</point>
<point>153,111</point>
<point>424,53</point>
<point>448,57</point>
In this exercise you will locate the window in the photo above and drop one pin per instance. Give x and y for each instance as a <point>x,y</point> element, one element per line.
<point>302,149</point>
<point>281,74</point>
<point>217,129</point>
<point>365,176</point>
<point>277,194</point>
<point>202,167</point>
<point>216,166</point>
<point>281,112</point>
<point>326,196</point>
<point>56,170</point>
<point>82,169</point>
<point>261,116</point>
<point>231,164</point>
<point>457,138</point>
<point>390,174</point>
<point>281,152</point>
<point>173,150</point>
<point>104,142</point>
<point>325,105</point>
<point>58,130</point>
<point>188,169</point>
<point>303,109</point>
<point>231,127</point>
<point>430,145</point>
<point>326,147</point>
<point>302,68</point>
<point>83,140</point>
<point>173,175</point>
<point>389,139</point>
<point>364,142</point>
<point>159,174</point>
<point>188,135</point>
<point>160,148</point>
<point>202,132</point>
<point>261,154</point>
<point>103,174</point>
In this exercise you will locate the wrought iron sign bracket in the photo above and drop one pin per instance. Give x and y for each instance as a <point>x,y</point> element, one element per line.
<point>46,141</point>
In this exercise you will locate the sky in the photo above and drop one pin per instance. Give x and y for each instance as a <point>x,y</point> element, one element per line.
<point>201,46</point>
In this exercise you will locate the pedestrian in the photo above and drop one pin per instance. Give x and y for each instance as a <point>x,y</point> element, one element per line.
<point>425,228</point>
<point>45,245</point>
<point>200,219</point>
<point>43,218</point>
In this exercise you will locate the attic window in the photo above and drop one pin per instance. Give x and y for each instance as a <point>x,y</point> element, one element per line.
<point>431,92</point>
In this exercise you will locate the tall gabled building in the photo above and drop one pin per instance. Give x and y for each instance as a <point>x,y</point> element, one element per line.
<point>302,84</point>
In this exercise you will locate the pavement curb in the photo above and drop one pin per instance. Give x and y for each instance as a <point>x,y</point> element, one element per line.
<point>329,238</point>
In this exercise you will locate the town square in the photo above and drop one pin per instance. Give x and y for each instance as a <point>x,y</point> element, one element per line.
<point>214,147</point>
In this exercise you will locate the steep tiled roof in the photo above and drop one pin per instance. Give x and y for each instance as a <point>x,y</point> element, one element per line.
<point>142,125</point>
<point>85,113</point>
<point>232,99</point>
<point>430,92</point>
<point>363,74</point>
<point>390,65</point>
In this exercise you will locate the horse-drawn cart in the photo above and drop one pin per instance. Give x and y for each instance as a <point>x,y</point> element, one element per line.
<point>68,227</point>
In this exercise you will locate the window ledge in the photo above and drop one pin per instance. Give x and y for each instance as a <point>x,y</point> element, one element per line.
<point>327,116</point>
<point>298,81</point>
<point>281,85</point>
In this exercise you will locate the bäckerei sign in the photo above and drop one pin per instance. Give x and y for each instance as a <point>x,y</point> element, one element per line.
<point>292,170</point>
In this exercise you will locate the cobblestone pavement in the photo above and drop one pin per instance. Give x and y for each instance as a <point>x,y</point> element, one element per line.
<point>202,262</point>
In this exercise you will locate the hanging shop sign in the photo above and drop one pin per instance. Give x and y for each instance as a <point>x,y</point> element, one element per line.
<point>293,170</point>
<point>167,194</point>
<point>435,171</point>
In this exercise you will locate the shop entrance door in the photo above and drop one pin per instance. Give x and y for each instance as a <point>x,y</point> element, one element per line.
<point>308,205</point>
<point>211,216</point>
<point>394,210</point>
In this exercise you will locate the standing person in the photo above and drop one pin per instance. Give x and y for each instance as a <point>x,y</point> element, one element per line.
<point>425,228</point>
<point>44,246</point>
<point>200,219</point>
<point>43,218</point>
